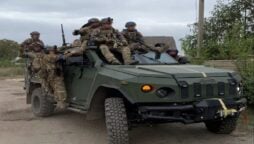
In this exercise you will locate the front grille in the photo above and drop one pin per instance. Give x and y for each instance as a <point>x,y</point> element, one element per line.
<point>209,90</point>
<point>232,87</point>
<point>197,90</point>
<point>221,88</point>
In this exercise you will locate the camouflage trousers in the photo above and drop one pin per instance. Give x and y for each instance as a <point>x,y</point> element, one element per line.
<point>54,85</point>
<point>138,47</point>
<point>36,61</point>
<point>125,51</point>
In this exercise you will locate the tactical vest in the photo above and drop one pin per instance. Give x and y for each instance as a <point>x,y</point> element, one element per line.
<point>132,37</point>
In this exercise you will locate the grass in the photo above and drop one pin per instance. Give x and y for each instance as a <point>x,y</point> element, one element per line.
<point>11,72</point>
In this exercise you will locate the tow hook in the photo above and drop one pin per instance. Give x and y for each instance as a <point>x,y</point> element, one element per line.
<point>225,112</point>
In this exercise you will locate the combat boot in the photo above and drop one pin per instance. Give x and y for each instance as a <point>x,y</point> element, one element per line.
<point>134,62</point>
<point>115,63</point>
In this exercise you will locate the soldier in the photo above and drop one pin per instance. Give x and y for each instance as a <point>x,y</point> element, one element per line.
<point>27,45</point>
<point>109,39</point>
<point>134,37</point>
<point>174,53</point>
<point>32,48</point>
<point>85,32</point>
<point>75,49</point>
<point>52,77</point>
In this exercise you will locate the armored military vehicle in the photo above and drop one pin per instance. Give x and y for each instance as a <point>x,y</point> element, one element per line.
<point>157,90</point>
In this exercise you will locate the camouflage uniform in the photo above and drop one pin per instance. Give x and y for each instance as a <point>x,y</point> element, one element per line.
<point>33,49</point>
<point>28,45</point>
<point>52,78</point>
<point>110,39</point>
<point>134,38</point>
<point>84,33</point>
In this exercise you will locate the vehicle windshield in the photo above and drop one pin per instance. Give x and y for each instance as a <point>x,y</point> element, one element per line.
<point>152,58</point>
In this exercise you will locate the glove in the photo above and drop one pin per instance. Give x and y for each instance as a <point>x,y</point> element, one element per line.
<point>125,43</point>
<point>17,59</point>
<point>75,32</point>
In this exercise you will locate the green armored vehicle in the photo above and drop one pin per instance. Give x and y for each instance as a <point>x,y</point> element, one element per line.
<point>157,90</point>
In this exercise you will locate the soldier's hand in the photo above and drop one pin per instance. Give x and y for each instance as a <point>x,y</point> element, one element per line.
<point>125,43</point>
<point>76,32</point>
<point>17,59</point>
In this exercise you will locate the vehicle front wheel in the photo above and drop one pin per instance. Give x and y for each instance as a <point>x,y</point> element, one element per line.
<point>41,106</point>
<point>116,121</point>
<point>225,126</point>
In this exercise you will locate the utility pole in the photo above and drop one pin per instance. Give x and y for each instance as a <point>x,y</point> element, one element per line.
<point>201,26</point>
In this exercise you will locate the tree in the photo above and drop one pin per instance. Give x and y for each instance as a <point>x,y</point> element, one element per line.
<point>228,32</point>
<point>8,49</point>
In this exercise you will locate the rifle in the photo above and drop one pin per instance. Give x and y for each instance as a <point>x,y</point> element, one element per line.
<point>63,36</point>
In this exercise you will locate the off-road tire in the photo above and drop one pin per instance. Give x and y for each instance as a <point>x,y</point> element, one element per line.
<point>41,106</point>
<point>225,126</point>
<point>116,121</point>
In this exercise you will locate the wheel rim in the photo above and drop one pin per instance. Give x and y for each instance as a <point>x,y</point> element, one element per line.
<point>36,104</point>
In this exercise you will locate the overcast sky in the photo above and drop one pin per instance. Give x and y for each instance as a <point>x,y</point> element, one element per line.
<point>154,17</point>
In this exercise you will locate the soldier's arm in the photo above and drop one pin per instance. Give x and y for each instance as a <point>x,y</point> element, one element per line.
<point>140,38</point>
<point>121,37</point>
<point>24,45</point>
<point>84,30</point>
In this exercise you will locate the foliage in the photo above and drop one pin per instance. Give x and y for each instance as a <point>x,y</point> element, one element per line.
<point>245,66</point>
<point>8,52</point>
<point>228,32</point>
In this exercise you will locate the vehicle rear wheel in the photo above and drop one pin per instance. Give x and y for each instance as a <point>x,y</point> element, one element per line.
<point>116,121</point>
<point>41,106</point>
<point>225,126</point>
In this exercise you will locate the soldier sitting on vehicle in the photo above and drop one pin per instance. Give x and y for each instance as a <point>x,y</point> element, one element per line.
<point>174,53</point>
<point>85,32</point>
<point>134,38</point>
<point>109,39</point>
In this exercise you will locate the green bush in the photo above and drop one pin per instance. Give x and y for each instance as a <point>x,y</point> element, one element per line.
<point>246,68</point>
<point>8,51</point>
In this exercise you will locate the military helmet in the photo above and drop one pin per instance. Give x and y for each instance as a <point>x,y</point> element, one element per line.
<point>35,33</point>
<point>93,20</point>
<point>172,50</point>
<point>130,24</point>
<point>107,20</point>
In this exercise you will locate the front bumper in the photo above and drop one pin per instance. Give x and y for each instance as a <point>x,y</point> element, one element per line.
<point>209,109</point>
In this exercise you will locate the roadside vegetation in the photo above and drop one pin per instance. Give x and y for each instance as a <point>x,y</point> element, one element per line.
<point>8,52</point>
<point>229,35</point>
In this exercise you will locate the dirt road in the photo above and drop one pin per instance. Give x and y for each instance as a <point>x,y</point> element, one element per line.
<point>19,126</point>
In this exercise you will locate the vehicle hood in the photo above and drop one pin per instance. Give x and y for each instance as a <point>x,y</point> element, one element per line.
<point>180,71</point>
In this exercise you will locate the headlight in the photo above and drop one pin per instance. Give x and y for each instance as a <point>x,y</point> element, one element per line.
<point>165,92</point>
<point>239,89</point>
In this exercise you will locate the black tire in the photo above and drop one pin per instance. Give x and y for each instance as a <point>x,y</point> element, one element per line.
<point>116,121</point>
<point>41,106</point>
<point>225,126</point>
